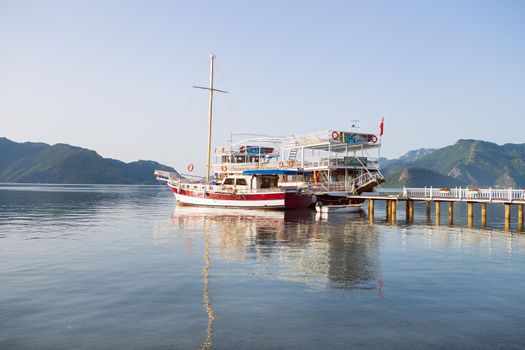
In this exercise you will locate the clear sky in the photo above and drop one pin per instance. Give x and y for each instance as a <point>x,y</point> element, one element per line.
<point>116,76</point>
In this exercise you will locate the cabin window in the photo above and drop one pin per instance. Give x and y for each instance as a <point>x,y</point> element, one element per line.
<point>269,181</point>
<point>240,182</point>
<point>228,181</point>
<point>265,182</point>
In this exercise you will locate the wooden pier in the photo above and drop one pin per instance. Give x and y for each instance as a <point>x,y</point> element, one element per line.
<point>449,196</point>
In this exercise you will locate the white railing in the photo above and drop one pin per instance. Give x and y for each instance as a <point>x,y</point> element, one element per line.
<point>330,187</point>
<point>293,164</point>
<point>466,194</point>
<point>350,186</point>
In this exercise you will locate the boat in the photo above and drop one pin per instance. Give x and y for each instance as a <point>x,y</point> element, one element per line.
<point>332,163</point>
<point>333,209</point>
<point>249,188</point>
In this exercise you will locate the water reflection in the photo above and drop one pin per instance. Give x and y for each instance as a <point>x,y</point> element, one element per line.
<point>290,245</point>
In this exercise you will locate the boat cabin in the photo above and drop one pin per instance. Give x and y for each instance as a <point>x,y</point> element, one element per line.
<point>266,179</point>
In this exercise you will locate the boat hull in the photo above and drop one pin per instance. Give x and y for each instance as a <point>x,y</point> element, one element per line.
<point>270,200</point>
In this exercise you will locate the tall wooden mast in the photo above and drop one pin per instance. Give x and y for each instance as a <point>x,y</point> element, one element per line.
<point>210,114</point>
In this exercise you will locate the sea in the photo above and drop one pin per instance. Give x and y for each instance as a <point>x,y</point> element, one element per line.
<point>124,267</point>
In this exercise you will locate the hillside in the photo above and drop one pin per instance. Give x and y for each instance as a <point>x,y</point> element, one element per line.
<point>465,163</point>
<point>61,163</point>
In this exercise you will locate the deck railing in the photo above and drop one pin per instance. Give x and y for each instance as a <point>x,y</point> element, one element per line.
<point>466,194</point>
<point>287,164</point>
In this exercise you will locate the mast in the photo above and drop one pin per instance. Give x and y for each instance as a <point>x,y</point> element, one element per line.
<point>210,114</point>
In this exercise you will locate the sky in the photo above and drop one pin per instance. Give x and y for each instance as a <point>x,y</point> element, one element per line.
<point>117,76</point>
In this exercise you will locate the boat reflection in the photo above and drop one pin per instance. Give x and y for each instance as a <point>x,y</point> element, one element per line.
<point>340,253</point>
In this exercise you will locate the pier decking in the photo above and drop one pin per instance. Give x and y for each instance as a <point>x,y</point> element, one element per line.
<point>507,197</point>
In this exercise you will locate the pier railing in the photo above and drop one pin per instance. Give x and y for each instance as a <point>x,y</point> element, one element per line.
<point>465,194</point>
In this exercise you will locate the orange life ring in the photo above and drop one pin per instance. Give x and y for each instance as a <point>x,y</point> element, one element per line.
<point>242,149</point>
<point>290,162</point>
<point>191,167</point>
<point>224,168</point>
<point>281,164</point>
<point>373,138</point>
<point>335,135</point>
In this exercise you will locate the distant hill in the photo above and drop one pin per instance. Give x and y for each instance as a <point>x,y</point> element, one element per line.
<point>465,163</point>
<point>65,164</point>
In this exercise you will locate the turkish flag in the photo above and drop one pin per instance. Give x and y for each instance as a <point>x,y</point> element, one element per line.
<point>381,126</point>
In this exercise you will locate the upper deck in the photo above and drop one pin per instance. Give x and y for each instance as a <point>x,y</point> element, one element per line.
<point>324,150</point>
<point>333,141</point>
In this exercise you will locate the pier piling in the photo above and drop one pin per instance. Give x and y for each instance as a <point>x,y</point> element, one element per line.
<point>450,213</point>
<point>484,214</point>
<point>520,217</point>
<point>427,207</point>
<point>371,210</point>
<point>438,213</point>
<point>470,214</point>
<point>393,207</point>
<point>507,216</point>
<point>388,209</point>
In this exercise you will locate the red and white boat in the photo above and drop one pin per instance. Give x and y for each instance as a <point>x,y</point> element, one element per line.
<point>241,191</point>
<point>249,189</point>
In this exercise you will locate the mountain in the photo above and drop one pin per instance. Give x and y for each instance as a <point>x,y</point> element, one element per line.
<point>62,163</point>
<point>410,156</point>
<point>417,154</point>
<point>465,163</point>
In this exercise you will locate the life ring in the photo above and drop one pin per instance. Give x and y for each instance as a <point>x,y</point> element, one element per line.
<point>373,138</point>
<point>224,168</point>
<point>242,149</point>
<point>290,162</point>
<point>281,164</point>
<point>335,135</point>
<point>191,167</point>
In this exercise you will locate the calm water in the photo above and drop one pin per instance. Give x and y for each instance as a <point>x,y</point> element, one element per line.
<point>121,267</point>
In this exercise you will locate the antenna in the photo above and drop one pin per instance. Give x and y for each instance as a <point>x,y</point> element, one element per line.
<point>355,124</point>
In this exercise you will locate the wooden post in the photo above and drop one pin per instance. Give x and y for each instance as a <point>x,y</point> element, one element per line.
<point>470,214</point>
<point>438,213</point>
<point>393,207</point>
<point>407,210</point>
<point>451,213</point>
<point>411,211</point>
<point>427,206</point>
<point>371,210</point>
<point>520,217</point>
<point>387,209</point>
<point>507,216</point>
<point>484,214</point>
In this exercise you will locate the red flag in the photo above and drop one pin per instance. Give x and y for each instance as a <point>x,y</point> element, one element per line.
<point>381,126</point>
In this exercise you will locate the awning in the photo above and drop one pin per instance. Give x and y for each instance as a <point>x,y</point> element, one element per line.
<point>274,172</point>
